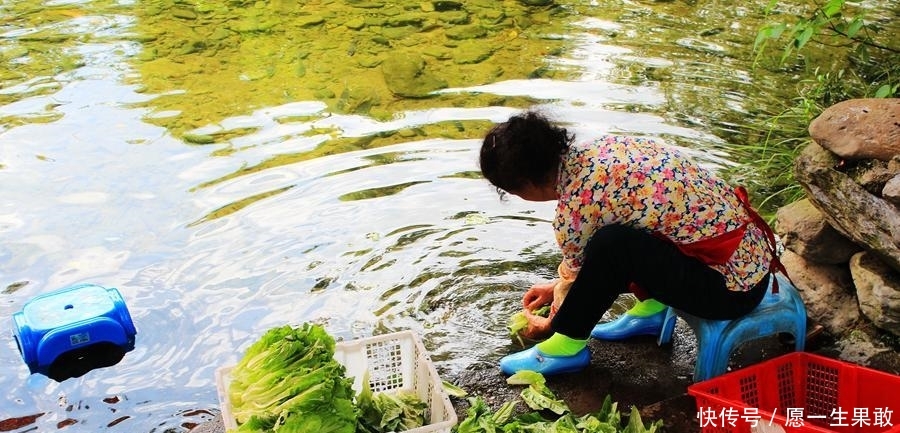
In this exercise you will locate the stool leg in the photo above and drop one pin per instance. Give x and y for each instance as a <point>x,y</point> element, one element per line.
<point>800,311</point>
<point>704,366</point>
<point>712,355</point>
<point>668,327</point>
<point>800,336</point>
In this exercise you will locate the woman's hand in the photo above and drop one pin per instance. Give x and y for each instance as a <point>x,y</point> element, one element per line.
<point>538,327</point>
<point>538,296</point>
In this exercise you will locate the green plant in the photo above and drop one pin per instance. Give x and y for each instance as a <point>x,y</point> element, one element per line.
<point>828,24</point>
<point>836,54</point>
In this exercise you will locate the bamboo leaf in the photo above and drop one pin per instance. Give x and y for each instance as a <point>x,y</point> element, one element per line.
<point>770,31</point>
<point>854,27</point>
<point>832,8</point>
<point>804,37</point>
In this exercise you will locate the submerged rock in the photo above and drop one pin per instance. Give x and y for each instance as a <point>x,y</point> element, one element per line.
<point>405,75</point>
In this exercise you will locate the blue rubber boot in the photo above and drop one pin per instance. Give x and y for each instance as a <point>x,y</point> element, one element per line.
<point>534,360</point>
<point>627,325</point>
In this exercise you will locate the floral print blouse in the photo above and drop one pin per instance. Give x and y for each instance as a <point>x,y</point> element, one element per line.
<point>640,183</point>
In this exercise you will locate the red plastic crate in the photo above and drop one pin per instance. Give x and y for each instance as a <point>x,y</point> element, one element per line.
<point>799,392</point>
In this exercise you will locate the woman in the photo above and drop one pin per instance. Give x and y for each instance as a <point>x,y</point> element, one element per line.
<point>632,216</point>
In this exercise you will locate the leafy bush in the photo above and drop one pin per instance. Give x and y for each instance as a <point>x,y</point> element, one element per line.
<point>837,53</point>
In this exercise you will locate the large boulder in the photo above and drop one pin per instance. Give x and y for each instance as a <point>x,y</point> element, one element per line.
<point>860,128</point>
<point>864,218</point>
<point>804,230</point>
<point>827,292</point>
<point>878,290</point>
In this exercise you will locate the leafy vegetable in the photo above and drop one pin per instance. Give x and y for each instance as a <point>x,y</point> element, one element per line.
<point>527,377</point>
<point>453,390</point>
<point>480,419</point>
<point>517,322</point>
<point>388,412</point>
<point>289,381</point>
<point>538,401</point>
<point>537,396</point>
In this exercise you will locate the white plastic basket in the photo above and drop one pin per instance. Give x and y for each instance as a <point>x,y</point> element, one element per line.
<point>396,362</point>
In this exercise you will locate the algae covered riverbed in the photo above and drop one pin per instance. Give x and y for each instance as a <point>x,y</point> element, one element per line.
<point>233,166</point>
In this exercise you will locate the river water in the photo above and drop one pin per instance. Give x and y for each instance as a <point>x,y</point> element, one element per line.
<point>222,196</point>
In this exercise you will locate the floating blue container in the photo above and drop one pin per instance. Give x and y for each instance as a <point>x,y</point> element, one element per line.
<point>86,324</point>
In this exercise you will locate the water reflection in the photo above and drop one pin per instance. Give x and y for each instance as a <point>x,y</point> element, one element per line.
<point>370,57</point>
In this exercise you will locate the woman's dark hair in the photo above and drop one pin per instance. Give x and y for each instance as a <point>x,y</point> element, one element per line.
<point>523,150</point>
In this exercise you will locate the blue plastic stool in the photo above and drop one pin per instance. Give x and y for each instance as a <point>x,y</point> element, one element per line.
<point>72,320</point>
<point>717,339</point>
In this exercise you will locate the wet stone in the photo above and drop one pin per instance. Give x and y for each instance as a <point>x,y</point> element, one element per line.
<point>190,47</point>
<point>437,52</point>
<point>396,33</point>
<point>300,69</point>
<point>454,17</point>
<point>355,23</point>
<point>219,34</point>
<point>358,100</point>
<point>45,36</point>
<point>366,4</point>
<point>391,11</point>
<point>447,6</point>
<point>253,25</point>
<point>309,21</point>
<point>185,14</point>
<point>367,61</point>
<point>466,32</point>
<point>406,20</point>
<point>147,55</point>
<point>324,93</point>
<point>209,8</point>
<point>493,16</point>
<point>405,75</point>
<point>372,21</point>
<point>537,2</point>
<point>470,52</point>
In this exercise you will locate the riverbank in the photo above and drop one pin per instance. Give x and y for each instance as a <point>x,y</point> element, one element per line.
<point>654,379</point>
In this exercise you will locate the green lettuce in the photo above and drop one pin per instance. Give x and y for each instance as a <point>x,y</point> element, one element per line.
<point>382,412</point>
<point>289,382</point>
<point>518,322</point>
<point>538,397</point>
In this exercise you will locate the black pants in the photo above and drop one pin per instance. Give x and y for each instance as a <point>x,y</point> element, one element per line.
<point>617,255</point>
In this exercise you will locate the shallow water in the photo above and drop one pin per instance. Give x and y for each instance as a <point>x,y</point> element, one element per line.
<point>295,211</point>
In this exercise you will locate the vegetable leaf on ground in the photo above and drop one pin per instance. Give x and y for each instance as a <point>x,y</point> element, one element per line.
<point>540,398</point>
